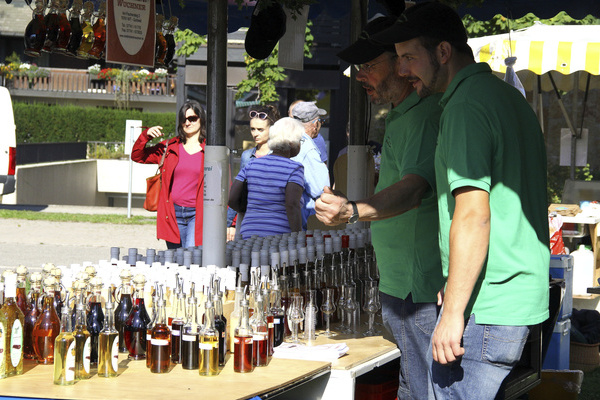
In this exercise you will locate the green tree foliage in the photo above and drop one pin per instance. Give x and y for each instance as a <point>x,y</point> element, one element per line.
<point>42,123</point>
<point>190,42</point>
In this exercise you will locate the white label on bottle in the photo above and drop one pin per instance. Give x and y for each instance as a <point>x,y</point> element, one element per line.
<point>175,332</point>
<point>189,338</point>
<point>276,321</point>
<point>159,342</point>
<point>114,354</point>
<point>16,343</point>
<point>70,363</point>
<point>206,346</point>
<point>270,325</point>
<point>148,336</point>
<point>87,348</point>
<point>258,337</point>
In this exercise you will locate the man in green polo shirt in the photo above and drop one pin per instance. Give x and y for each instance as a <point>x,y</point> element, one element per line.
<point>490,165</point>
<point>403,208</point>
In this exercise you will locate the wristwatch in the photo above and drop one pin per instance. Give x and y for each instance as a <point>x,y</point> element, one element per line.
<point>354,217</point>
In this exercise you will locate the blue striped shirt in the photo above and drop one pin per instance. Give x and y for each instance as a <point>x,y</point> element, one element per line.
<point>267,179</point>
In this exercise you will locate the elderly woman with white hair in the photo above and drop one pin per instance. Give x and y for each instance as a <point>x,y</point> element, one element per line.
<point>275,184</point>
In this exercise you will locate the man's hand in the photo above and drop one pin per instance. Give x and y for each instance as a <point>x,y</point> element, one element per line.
<point>446,338</point>
<point>332,207</point>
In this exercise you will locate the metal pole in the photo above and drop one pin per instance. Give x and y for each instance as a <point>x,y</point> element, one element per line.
<point>216,166</point>
<point>131,132</point>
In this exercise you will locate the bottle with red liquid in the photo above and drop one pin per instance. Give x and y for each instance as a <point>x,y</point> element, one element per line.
<point>64,28</point>
<point>177,322</point>
<point>160,353</point>
<point>47,326</point>
<point>137,322</point>
<point>32,316</point>
<point>190,334</point>
<point>243,360</point>
<point>124,307</point>
<point>21,298</point>
<point>95,317</point>
<point>260,333</point>
<point>76,32</point>
<point>35,32</point>
<point>52,27</point>
<point>99,27</point>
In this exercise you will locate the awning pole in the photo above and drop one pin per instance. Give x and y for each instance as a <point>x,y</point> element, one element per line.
<point>569,124</point>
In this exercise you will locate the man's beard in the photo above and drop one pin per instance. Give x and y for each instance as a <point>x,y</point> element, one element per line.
<point>387,90</point>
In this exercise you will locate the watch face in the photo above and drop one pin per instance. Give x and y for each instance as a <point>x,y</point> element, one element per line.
<point>353,219</point>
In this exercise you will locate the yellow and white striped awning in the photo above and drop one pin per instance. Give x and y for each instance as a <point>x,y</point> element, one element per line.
<point>543,48</point>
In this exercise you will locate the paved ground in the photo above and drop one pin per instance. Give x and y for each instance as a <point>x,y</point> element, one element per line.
<point>33,243</point>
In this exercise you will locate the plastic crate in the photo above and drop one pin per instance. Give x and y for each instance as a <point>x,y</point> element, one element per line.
<point>557,356</point>
<point>561,267</point>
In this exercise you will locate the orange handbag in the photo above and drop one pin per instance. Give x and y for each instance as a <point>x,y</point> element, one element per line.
<point>153,185</point>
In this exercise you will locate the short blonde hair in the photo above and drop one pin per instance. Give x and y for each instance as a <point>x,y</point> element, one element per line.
<point>284,133</point>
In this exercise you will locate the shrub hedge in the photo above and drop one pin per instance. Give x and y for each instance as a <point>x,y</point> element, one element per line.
<point>42,123</point>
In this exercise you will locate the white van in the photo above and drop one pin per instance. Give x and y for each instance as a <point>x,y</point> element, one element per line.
<point>8,144</point>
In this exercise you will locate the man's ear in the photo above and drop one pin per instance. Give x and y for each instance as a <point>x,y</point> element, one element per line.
<point>444,51</point>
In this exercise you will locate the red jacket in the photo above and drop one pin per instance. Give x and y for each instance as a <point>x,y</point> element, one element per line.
<point>166,223</point>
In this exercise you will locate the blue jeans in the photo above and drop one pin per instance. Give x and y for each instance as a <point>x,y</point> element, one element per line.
<point>186,221</point>
<point>412,325</point>
<point>491,351</point>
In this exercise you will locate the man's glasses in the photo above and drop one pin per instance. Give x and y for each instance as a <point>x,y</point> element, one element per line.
<point>367,68</point>
<point>192,118</point>
<point>321,120</point>
<point>258,114</point>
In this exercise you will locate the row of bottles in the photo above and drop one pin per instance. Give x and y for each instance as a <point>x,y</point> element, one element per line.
<point>77,36</point>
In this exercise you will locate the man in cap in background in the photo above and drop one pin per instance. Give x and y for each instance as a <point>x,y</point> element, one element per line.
<point>319,140</point>
<point>316,175</point>
<point>490,168</point>
<point>403,208</point>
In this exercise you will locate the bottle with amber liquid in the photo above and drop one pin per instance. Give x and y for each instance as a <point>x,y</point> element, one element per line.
<point>95,317</point>
<point>32,316</point>
<point>64,28</point>
<point>76,32</point>
<point>260,332</point>
<point>137,322</point>
<point>160,353</point>
<point>124,307</point>
<point>177,323</point>
<point>83,342</point>
<point>22,301</point>
<point>64,351</point>
<point>97,50</point>
<point>170,39</point>
<point>35,32</point>
<point>108,344</point>
<point>11,324</point>
<point>52,26</point>
<point>47,326</point>
<point>87,29</point>
<point>242,342</point>
<point>208,357</point>
<point>161,43</point>
<point>190,334</point>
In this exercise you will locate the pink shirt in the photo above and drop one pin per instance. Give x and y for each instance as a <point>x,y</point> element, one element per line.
<point>185,178</point>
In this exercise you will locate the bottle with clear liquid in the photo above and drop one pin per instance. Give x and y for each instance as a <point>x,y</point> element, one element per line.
<point>260,332</point>
<point>155,297</point>
<point>221,327</point>
<point>64,351</point>
<point>208,357</point>
<point>243,360</point>
<point>190,335</point>
<point>83,342</point>
<point>124,307</point>
<point>76,32</point>
<point>11,324</point>
<point>137,322</point>
<point>21,298</point>
<point>108,344</point>
<point>32,316</point>
<point>177,323</point>
<point>95,317</point>
<point>99,27</point>
<point>47,326</point>
<point>160,353</point>
<point>87,29</point>
<point>58,292</point>
<point>234,317</point>
<point>35,32</point>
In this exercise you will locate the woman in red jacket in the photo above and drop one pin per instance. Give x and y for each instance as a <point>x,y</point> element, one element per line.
<point>179,214</point>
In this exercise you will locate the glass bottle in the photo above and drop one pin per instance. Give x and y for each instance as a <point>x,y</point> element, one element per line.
<point>161,43</point>
<point>266,294</point>
<point>21,297</point>
<point>76,32</point>
<point>124,307</point>
<point>47,326</point>
<point>221,327</point>
<point>64,351</point>
<point>79,295</point>
<point>32,316</point>
<point>310,317</point>
<point>95,317</point>
<point>58,300</point>
<point>234,317</point>
<point>242,342</point>
<point>82,342</point>
<point>108,344</point>
<point>190,335</point>
<point>97,50</point>
<point>64,28</point>
<point>170,39</point>
<point>35,32</point>
<point>155,297</point>
<point>177,323</point>
<point>137,322</point>
<point>278,317</point>
<point>11,321</point>
<point>52,27</point>
<point>87,36</point>
<point>260,331</point>
<point>208,357</point>
<point>160,353</point>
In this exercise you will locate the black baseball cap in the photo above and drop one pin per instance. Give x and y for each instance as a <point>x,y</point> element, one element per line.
<point>429,19</point>
<point>363,50</point>
<point>267,26</point>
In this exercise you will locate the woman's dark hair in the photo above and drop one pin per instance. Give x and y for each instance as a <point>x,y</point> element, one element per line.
<point>272,112</point>
<point>199,111</point>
